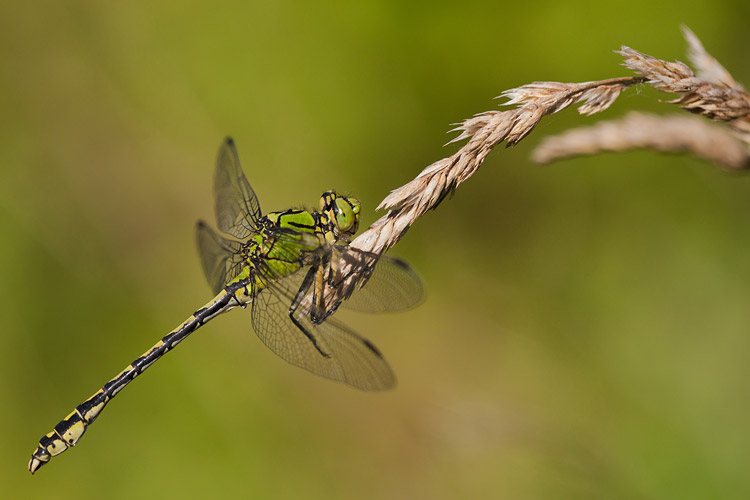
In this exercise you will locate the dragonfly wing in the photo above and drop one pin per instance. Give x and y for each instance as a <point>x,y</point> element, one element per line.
<point>392,284</point>
<point>236,205</point>
<point>220,257</point>
<point>330,349</point>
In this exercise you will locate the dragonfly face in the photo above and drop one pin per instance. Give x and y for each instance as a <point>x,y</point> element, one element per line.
<point>342,213</point>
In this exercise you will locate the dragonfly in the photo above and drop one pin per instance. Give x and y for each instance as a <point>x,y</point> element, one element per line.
<point>278,265</point>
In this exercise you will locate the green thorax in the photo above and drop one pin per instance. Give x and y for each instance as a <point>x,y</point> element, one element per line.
<point>285,242</point>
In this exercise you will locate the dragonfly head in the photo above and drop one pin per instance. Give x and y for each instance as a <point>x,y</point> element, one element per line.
<point>342,211</point>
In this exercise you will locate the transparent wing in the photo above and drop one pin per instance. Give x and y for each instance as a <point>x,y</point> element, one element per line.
<point>237,207</point>
<point>384,283</point>
<point>221,258</point>
<point>331,349</point>
<point>361,281</point>
<point>392,286</point>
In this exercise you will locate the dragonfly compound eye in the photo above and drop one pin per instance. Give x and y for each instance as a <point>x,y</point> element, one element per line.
<point>347,214</point>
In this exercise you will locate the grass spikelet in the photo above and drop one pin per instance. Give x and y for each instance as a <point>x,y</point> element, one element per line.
<point>713,94</point>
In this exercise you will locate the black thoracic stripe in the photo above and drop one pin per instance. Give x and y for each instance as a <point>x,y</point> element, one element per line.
<point>311,227</point>
<point>169,341</point>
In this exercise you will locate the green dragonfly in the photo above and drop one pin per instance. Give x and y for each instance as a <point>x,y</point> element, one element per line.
<point>280,264</point>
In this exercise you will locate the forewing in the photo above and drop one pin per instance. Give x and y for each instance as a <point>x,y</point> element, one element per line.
<point>237,207</point>
<point>331,349</point>
<point>220,257</point>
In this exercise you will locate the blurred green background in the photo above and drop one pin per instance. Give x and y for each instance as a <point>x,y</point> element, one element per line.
<point>587,329</point>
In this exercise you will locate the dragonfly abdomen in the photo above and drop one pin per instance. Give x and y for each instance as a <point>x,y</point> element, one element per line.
<point>70,429</point>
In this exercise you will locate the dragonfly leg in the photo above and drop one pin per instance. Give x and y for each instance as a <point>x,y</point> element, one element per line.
<point>307,283</point>
<point>317,311</point>
<point>303,289</point>
<point>315,280</point>
<point>309,335</point>
<point>324,280</point>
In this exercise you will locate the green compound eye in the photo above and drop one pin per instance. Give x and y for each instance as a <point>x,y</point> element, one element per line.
<point>346,217</point>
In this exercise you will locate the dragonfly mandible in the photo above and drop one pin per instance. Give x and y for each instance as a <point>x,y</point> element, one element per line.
<point>276,264</point>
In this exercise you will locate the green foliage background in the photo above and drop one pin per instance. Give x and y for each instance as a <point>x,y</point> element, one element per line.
<point>587,329</point>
